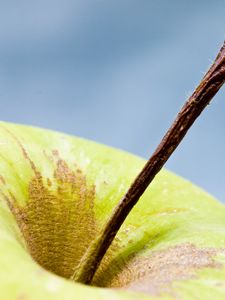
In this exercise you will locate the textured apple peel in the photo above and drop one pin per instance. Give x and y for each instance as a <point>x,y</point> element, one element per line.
<point>58,249</point>
<point>51,220</point>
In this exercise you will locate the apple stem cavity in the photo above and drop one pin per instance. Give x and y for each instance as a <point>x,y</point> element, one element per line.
<point>208,87</point>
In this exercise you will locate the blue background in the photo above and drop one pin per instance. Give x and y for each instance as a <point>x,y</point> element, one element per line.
<point>116,72</point>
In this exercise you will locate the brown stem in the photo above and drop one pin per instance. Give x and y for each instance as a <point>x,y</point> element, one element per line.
<point>209,86</point>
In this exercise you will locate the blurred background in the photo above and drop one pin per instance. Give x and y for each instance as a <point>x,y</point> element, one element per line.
<point>116,72</point>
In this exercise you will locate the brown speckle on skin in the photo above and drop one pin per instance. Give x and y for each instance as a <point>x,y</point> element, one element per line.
<point>22,297</point>
<point>49,183</point>
<point>55,152</point>
<point>2,180</point>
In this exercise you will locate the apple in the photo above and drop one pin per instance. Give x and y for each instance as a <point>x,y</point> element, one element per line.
<point>72,225</point>
<point>58,191</point>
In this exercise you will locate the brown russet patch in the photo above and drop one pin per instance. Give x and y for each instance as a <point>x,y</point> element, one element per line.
<point>156,273</point>
<point>58,221</point>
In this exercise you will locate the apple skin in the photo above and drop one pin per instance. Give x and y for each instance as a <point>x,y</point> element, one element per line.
<point>170,246</point>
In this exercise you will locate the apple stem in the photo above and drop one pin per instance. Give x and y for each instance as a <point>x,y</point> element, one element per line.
<point>208,87</point>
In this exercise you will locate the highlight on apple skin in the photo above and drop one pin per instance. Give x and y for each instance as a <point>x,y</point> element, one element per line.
<point>57,192</point>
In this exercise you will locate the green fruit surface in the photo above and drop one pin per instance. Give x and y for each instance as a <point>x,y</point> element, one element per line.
<point>56,193</point>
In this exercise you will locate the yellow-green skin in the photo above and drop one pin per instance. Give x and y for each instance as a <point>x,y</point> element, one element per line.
<point>171,212</point>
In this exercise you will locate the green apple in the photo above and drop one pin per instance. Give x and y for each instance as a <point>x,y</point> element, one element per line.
<point>58,191</point>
